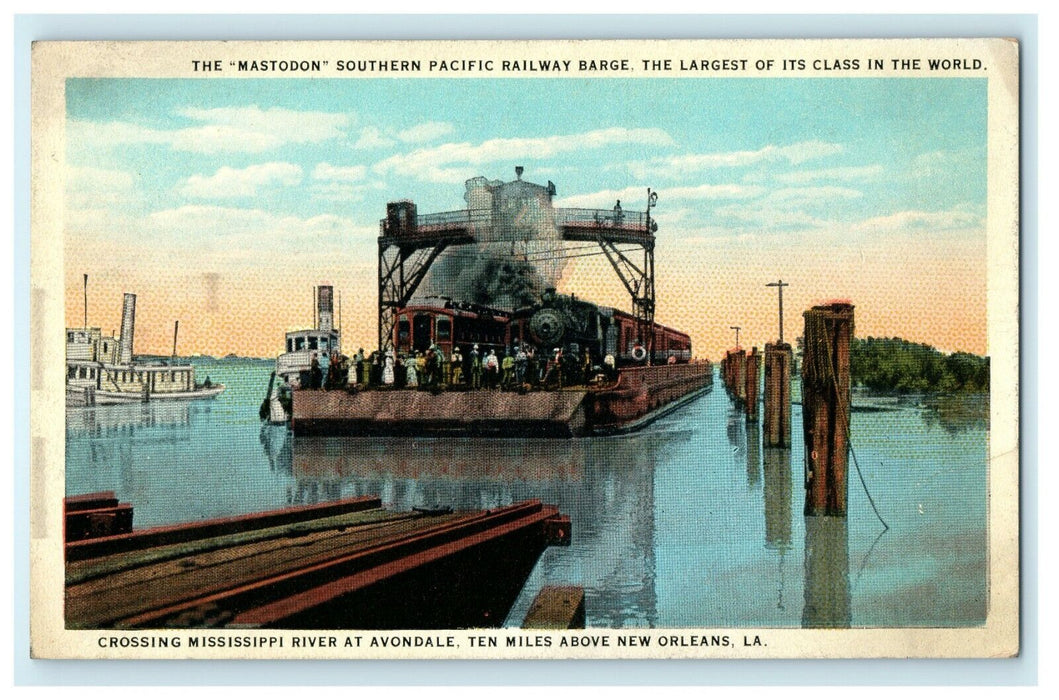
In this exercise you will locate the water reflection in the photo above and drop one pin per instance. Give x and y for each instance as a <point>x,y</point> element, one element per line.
<point>827,599</point>
<point>753,454</point>
<point>166,422</point>
<point>736,429</point>
<point>606,486</point>
<point>958,414</point>
<point>777,498</point>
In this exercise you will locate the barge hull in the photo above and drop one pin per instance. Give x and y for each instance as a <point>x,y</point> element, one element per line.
<point>641,395</point>
<point>455,413</point>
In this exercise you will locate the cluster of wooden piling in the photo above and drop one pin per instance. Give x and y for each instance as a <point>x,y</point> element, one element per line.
<point>825,398</point>
<point>826,407</point>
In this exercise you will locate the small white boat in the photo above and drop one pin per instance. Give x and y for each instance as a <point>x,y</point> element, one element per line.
<point>100,370</point>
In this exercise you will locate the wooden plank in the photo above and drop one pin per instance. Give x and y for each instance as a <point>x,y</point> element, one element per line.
<point>557,608</point>
<point>89,501</point>
<point>170,534</point>
<point>144,593</point>
<point>388,567</point>
<point>141,589</point>
<point>83,525</point>
<point>81,571</point>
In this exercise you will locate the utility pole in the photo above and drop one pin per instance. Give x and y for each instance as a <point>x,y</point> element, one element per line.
<point>779,285</point>
<point>649,269</point>
<point>736,329</point>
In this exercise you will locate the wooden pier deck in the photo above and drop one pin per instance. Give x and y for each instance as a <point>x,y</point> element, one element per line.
<point>343,565</point>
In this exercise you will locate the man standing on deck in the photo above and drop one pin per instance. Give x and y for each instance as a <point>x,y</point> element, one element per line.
<point>316,375</point>
<point>520,365</point>
<point>358,365</point>
<point>476,368</point>
<point>457,366</point>
<point>507,364</point>
<point>492,370</point>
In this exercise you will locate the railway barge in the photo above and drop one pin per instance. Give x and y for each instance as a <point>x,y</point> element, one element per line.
<point>510,363</point>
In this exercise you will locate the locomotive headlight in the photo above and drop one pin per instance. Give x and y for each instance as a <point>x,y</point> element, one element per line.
<point>547,327</point>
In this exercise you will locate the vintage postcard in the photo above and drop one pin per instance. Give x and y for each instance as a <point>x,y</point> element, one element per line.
<point>525,350</point>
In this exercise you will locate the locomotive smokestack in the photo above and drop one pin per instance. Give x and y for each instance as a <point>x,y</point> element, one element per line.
<point>128,329</point>
<point>518,172</point>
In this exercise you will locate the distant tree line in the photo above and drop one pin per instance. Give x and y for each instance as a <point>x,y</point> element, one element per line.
<point>896,365</point>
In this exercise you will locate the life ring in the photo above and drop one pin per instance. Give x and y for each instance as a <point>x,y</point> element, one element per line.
<point>639,353</point>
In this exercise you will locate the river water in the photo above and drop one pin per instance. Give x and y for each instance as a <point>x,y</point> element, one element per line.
<point>688,523</point>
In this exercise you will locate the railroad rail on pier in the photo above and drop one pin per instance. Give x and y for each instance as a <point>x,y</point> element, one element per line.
<point>344,564</point>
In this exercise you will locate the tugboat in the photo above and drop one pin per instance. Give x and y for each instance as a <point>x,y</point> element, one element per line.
<point>294,368</point>
<point>101,370</point>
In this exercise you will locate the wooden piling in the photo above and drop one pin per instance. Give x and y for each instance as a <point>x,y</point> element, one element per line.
<point>735,373</point>
<point>750,385</point>
<point>726,371</point>
<point>826,406</point>
<point>777,395</point>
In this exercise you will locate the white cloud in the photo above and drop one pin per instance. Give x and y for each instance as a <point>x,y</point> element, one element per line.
<point>219,222</point>
<point>230,183</point>
<point>340,191</point>
<point>346,173</point>
<point>88,187</point>
<point>944,164</point>
<point>909,221</point>
<point>371,137</point>
<point>865,172</point>
<point>430,163</point>
<point>374,137</point>
<point>87,179</point>
<point>219,235</point>
<point>89,219</point>
<point>813,195</point>
<point>679,165</point>
<point>220,130</point>
<point>798,153</point>
<point>787,208</point>
<point>427,131</point>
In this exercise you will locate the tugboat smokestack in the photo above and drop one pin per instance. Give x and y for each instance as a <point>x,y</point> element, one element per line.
<point>128,329</point>
<point>325,305</point>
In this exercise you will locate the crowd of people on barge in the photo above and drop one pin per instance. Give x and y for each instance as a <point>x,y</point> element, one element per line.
<point>518,368</point>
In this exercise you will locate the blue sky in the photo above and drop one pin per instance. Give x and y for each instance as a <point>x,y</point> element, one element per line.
<point>248,173</point>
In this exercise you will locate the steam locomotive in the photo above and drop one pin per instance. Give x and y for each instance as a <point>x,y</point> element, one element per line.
<point>561,320</point>
<point>557,321</point>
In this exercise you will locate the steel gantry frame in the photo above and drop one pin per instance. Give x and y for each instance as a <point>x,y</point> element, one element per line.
<point>405,257</point>
<point>408,249</point>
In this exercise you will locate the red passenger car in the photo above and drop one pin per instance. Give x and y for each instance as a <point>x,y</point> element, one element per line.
<point>450,324</point>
